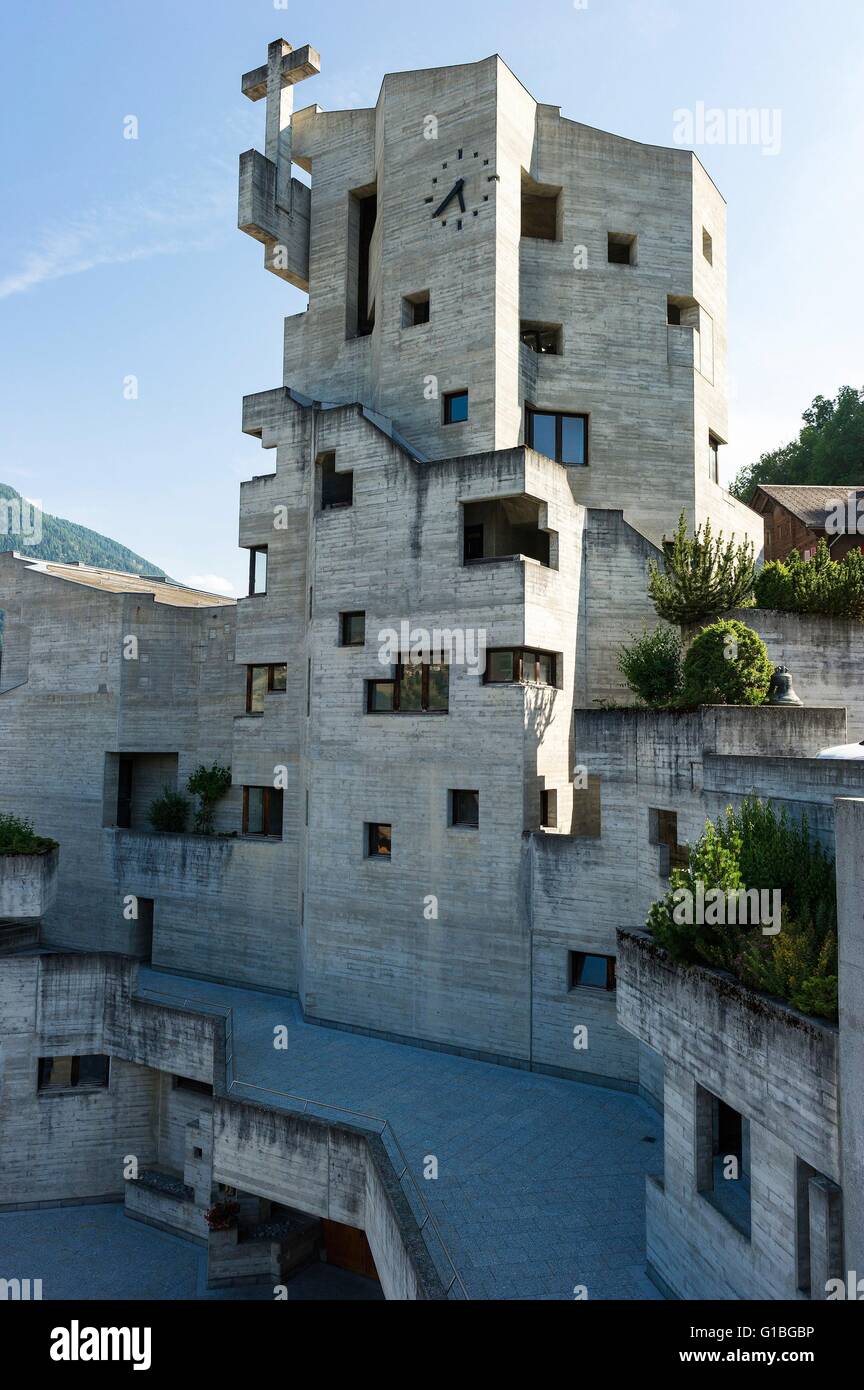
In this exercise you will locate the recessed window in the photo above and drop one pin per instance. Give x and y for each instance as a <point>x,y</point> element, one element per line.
<point>587,810</point>
<point>465,809</point>
<point>663,831</point>
<point>714,458</point>
<point>379,840</point>
<point>352,629</point>
<point>455,407</point>
<point>504,527</point>
<point>542,338</point>
<point>508,665</point>
<point>591,972</point>
<point>707,246</point>
<point>416,688</point>
<point>723,1158</point>
<point>337,489</point>
<point>673,314</point>
<point>558,436</point>
<point>257,570</point>
<point>88,1073</point>
<point>191,1084</point>
<point>261,681</point>
<point>549,809</point>
<point>621,248</point>
<point>540,210</point>
<point>415,309</point>
<point>262,811</point>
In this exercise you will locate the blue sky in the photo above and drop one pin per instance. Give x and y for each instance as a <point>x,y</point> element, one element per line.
<point>120,257</point>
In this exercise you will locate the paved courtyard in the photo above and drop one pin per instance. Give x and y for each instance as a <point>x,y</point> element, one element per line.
<point>96,1252</point>
<point>541,1181</point>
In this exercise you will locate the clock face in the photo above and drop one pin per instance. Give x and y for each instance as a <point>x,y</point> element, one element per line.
<point>459,188</point>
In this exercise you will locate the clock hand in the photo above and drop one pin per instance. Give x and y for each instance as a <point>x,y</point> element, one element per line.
<point>457,188</point>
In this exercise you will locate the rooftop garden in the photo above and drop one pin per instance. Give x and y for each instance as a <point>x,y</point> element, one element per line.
<point>758,899</point>
<point>17,836</point>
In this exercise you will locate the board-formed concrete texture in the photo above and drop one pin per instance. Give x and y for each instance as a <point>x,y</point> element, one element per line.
<point>440,236</point>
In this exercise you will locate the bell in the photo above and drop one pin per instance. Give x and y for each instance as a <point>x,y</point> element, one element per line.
<point>780,691</point>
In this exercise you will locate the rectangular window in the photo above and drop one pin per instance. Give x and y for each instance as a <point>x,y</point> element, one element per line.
<point>516,664</point>
<point>542,338</point>
<point>540,210</point>
<point>352,629</point>
<point>713,458</point>
<point>673,314</point>
<point>337,489</point>
<point>415,309</point>
<point>261,681</point>
<point>558,436</point>
<point>707,246</point>
<point>549,809</point>
<point>262,811</point>
<point>587,810</point>
<point>416,688</point>
<point>663,831</point>
<point>189,1083</point>
<point>473,544</point>
<point>591,972</point>
<point>621,248</point>
<point>88,1073</point>
<point>455,407</point>
<point>257,570</point>
<point>465,809</point>
<point>723,1158</point>
<point>379,841</point>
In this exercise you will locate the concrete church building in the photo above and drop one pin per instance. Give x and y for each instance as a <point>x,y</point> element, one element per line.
<point>509,381</point>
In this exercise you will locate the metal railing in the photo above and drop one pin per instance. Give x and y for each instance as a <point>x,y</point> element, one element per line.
<point>421,1211</point>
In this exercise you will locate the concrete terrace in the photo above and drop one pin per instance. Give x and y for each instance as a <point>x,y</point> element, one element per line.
<point>541,1181</point>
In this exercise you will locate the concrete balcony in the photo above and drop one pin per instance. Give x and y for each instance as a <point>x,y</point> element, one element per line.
<point>28,887</point>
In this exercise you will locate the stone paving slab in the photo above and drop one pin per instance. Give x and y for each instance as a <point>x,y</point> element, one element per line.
<point>541,1184</point>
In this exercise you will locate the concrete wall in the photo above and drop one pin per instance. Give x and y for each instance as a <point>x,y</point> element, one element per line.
<point>777,1068</point>
<point>850,896</point>
<point>825,656</point>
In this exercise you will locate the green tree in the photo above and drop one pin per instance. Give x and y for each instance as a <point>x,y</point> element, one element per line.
<point>169,812</point>
<point>829,448</point>
<point>209,784</point>
<point>652,666</point>
<point>702,577</point>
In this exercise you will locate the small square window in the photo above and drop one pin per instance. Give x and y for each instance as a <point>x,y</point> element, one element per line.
<point>415,309</point>
<point>352,629</point>
<point>621,248</point>
<point>465,809</point>
<point>591,972</point>
<point>707,246</point>
<point>379,841</point>
<point>456,407</point>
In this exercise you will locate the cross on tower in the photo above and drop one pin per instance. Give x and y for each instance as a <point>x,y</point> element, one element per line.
<point>275,80</point>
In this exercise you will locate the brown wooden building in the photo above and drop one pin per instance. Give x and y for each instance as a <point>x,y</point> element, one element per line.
<point>797,517</point>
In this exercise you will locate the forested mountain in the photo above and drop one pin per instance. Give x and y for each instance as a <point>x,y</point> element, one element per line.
<point>64,541</point>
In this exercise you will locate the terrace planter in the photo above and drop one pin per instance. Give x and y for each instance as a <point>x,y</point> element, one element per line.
<point>28,885</point>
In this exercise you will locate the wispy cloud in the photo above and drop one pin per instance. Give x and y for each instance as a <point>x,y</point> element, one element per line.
<point>211,584</point>
<point>153,222</point>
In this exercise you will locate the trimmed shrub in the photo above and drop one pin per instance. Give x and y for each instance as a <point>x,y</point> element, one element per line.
<point>17,836</point>
<point>727,664</point>
<point>652,666</point>
<point>209,784</point>
<point>169,812</point>
<point>702,577</point>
